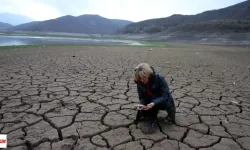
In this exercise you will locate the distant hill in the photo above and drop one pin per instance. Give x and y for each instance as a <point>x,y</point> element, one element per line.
<point>14,19</point>
<point>90,24</point>
<point>121,23</point>
<point>4,25</point>
<point>234,18</point>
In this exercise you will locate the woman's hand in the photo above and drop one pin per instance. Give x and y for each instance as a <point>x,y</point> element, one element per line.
<point>140,107</point>
<point>149,106</point>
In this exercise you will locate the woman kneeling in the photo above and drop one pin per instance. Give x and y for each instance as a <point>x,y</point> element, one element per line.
<point>154,95</point>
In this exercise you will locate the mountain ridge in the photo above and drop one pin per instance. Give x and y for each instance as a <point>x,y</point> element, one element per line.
<point>5,25</point>
<point>239,11</point>
<point>88,23</point>
<point>14,19</point>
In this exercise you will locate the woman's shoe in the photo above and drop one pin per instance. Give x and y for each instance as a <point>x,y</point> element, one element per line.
<point>151,128</point>
<point>170,120</point>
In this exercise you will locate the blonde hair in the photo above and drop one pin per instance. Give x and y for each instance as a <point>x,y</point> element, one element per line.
<point>142,70</point>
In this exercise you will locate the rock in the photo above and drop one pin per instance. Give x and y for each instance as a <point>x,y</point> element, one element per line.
<point>45,107</point>
<point>88,117</point>
<point>95,97</point>
<point>129,106</point>
<point>183,110</point>
<point>189,100</point>
<point>15,138</point>
<point>237,130</point>
<point>244,142</point>
<point>114,107</point>
<point>7,93</point>
<point>200,128</point>
<point>170,145</point>
<point>224,144</point>
<point>186,105</point>
<point>61,112</point>
<point>18,117</point>
<point>92,108</point>
<point>147,143</point>
<point>196,89</point>
<point>34,108</point>
<point>85,144</point>
<point>235,119</point>
<point>12,117</point>
<point>75,99</point>
<point>61,122</point>
<point>106,101</point>
<point>99,141</point>
<point>117,136</point>
<point>210,120</point>
<point>219,131</point>
<point>114,119</point>
<point>130,113</point>
<point>65,144</point>
<point>11,103</point>
<point>229,109</point>
<point>15,109</point>
<point>186,120</point>
<point>8,127</point>
<point>244,115</point>
<point>173,131</point>
<point>161,115</point>
<point>40,132</point>
<point>70,131</point>
<point>89,128</point>
<point>129,146</point>
<point>29,92</point>
<point>157,136</point>
<point>43,146</point>
<point>31,119</point>
<point>56,89</point>
<point>120,96</point>
<point>219,102</point>
<point>178,94</point>
<point>207,104</point>
<point>235,102</point>
<point>207,111</point>
<point>199,140</point>
<point>133,99</point>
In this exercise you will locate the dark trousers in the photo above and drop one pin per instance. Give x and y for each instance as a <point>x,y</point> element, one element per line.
<point>152,113</point>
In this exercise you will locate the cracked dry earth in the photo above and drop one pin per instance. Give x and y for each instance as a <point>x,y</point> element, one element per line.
<point>81,98</point>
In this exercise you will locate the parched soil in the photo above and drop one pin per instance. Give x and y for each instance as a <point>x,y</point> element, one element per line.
<point>82,97</point>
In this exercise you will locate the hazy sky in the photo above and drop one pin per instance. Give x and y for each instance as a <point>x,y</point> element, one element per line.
<point>134,10</point>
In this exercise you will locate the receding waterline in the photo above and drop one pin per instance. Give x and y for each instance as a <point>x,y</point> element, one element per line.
<point>33,40</point>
